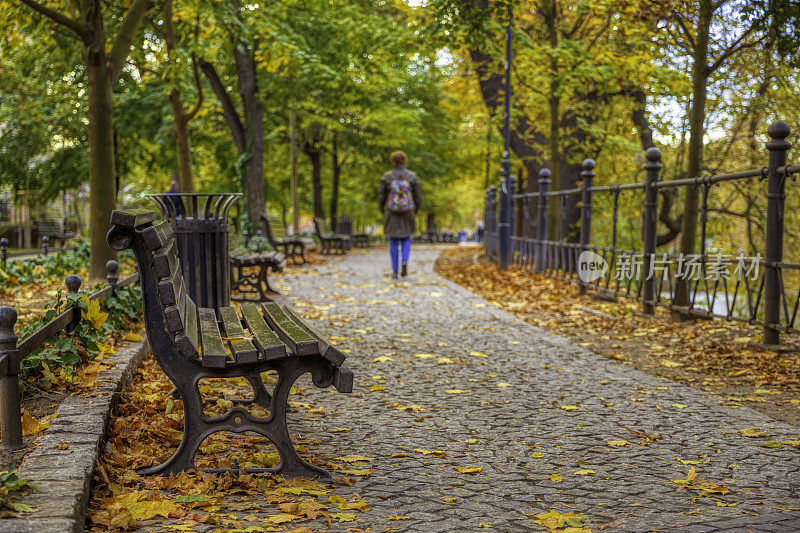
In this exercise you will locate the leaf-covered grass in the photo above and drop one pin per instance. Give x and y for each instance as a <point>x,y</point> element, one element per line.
<point>61,360</point>
<point>35,287</point>
<point>42,269</point>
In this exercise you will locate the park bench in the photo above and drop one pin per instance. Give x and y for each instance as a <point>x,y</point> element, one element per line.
<point>52,230</point>
<point>344,225</point>
<point>293,247</point>
<point>249,274</point>
<point>192,343</point>
<point>331,241</point>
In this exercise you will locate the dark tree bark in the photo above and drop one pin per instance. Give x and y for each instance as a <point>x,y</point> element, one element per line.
<point>252,164</point>
<point>181,117</point>
<point>697,116</point>
<point>335,185</point>
<point>248,136</point>
<point>311,146</point>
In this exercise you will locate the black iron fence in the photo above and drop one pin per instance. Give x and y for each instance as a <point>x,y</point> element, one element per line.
<point>619,256</point>
<point>12,353</point>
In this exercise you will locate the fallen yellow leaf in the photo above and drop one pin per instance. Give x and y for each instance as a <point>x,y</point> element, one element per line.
<point>754,432</point>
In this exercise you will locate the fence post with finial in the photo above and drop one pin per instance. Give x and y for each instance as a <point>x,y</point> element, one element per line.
<point>541,226</point>
<point>10,414</point>
<point>45,245</point>
<point>587,174</point>
<point>112,267</point>
<point>653,167</point>
<point>73,283</point>
<point>3,250</point>
<point>776,182</point>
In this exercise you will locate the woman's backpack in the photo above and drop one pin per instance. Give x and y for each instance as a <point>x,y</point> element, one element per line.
<point>400,199</point>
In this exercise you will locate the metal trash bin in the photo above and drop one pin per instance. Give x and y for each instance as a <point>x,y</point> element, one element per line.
<point>200,223</point>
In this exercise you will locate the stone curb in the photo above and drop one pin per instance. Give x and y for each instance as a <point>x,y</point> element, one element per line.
<point>61,479</point>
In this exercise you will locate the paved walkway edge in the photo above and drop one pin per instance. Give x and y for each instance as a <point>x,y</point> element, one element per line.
<point>61,467</point>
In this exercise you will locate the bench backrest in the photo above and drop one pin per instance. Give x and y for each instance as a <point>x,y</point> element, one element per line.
<point>162,279</point>
<point>273,228</point>
<point>49,228</point>
<point>321,226</point>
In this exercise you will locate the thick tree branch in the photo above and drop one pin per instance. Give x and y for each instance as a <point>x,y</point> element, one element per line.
<point>60,18</point>
<point>522,134</point>
<point>122,44</point>
<point>228,109</point>
<point>639,116</point>
<point>191,114</point>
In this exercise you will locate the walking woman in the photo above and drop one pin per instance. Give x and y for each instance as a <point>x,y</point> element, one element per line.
<point>399,199</point>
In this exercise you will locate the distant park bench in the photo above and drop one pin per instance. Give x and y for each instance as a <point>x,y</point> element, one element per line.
<point>190,344</point>
<point>250,274</point>
<point>53,230</point>
<point>344,225</point>
<point>331,241</point>
<point>293,247</point>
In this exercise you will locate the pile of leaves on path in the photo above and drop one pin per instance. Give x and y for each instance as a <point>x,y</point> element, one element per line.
<point>147,429</point>
<point>715,355</point>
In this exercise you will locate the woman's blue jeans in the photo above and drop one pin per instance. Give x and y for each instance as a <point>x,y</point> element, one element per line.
<point>394,244</point>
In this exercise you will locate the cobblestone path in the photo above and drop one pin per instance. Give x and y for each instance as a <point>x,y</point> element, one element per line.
<point>446,381</point>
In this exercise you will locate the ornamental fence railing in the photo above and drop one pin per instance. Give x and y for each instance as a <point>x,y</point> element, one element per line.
<point>12,353</point>
<point>619,255</point>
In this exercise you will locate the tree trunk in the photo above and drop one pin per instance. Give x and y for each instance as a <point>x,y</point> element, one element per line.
<point>103,193</point>
<point>102,69</point>
<point>697,117</point>
<point>335,185</point>
<point>180,117</point>
<point>312,150</point>
<point>252,161</point>
<point>293,154</point>
<point>554,224</point>
<point>182,142</point>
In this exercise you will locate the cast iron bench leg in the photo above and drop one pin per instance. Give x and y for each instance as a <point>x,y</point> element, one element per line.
<point>260,394</point>
<point>198,427</point>
<point>195,430</point>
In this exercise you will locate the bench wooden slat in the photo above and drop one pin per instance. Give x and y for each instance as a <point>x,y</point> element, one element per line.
<point>175,315</point>
<point>343,379</point>
<point>264,338</point>
<point>157,236</point>
<point>133,218</point>
<point>166,260</point>
<point>328,351</point>
<point>188,342</point>
<point>169,290</point>
<point>214,355</point>
<point>243,350</point>
<point>296,338</point>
